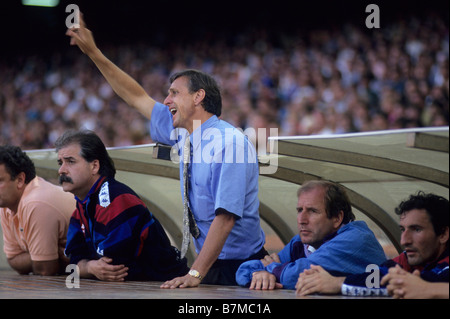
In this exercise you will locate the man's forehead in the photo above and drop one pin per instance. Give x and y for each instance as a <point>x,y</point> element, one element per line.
<point>415,217</point>
<point>3,168</point>
<point>71,150</point>
<point>181,82</point>
<point>318,193</point>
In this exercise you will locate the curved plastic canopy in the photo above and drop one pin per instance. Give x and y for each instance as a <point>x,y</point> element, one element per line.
<point>378,170</point>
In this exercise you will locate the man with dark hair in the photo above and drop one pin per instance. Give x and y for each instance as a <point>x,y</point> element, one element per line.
<point>112,235</point>
<point>328,236</point>
<point>336,200</point>
<point>212,102</point>
<point>435,206</point>
<point>424,263</point>
<point>34,216</point>
<point>218,171</point>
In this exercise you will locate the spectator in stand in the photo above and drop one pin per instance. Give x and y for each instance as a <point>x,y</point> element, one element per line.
<point>398,78</point>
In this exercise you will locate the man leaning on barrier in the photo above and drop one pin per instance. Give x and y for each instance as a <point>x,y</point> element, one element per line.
<point>34,216</point>
<point>218,173</point>
<point>421,271</point>
<point>328,236</point>
<point>112,235</point>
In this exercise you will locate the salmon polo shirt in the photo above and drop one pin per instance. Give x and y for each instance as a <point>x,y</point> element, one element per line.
<point>41,222</point>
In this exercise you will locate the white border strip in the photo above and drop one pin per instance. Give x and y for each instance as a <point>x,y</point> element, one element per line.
<point>372,133</point>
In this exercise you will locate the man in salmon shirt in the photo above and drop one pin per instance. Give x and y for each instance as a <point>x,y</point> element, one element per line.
<point>34,216</point>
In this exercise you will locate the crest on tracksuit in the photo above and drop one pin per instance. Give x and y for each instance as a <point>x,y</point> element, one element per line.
<point>103,196</point>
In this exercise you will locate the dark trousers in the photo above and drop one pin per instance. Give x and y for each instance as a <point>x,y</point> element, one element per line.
<point>223,271</point>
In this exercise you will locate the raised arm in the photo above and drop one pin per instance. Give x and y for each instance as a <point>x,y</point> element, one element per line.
<point>123,84</point>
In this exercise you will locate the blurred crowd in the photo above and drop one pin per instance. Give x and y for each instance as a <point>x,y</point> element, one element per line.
<point>348,79</point>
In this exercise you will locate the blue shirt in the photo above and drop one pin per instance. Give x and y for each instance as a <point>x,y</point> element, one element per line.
<point>223,174</point>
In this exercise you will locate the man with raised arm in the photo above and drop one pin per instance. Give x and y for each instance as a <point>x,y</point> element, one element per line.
<point>218,171</point>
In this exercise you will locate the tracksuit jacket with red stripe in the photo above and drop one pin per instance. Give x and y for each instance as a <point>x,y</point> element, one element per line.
<point>112,221</point>
<point>436,271</point>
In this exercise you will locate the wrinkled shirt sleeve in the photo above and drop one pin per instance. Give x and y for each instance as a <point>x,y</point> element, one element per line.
<point>245,271</point>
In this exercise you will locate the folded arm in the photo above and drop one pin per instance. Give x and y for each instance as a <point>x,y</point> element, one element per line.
<point>24,265</point>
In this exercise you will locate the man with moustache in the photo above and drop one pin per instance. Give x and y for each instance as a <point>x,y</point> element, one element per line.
<point>421,271</point>
<point>34,216</point>
<point>328,236</point>
<point>112,235</point>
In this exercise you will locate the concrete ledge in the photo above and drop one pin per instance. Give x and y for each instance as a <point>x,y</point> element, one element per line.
<point>15,286</point>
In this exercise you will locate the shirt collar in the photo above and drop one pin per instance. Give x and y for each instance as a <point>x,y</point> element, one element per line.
<point>196,136</point>
<point>28,188</point>
<point>310,249</point>
<point>433,263</point>
<point>93,189</point>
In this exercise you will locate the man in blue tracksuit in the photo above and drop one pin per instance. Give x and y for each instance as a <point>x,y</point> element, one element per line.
<point>328,236</point>
<point>420,271</point>
<point>112,235</point>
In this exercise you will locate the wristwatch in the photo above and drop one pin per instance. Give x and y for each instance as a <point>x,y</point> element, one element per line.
<point>194,273</point>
